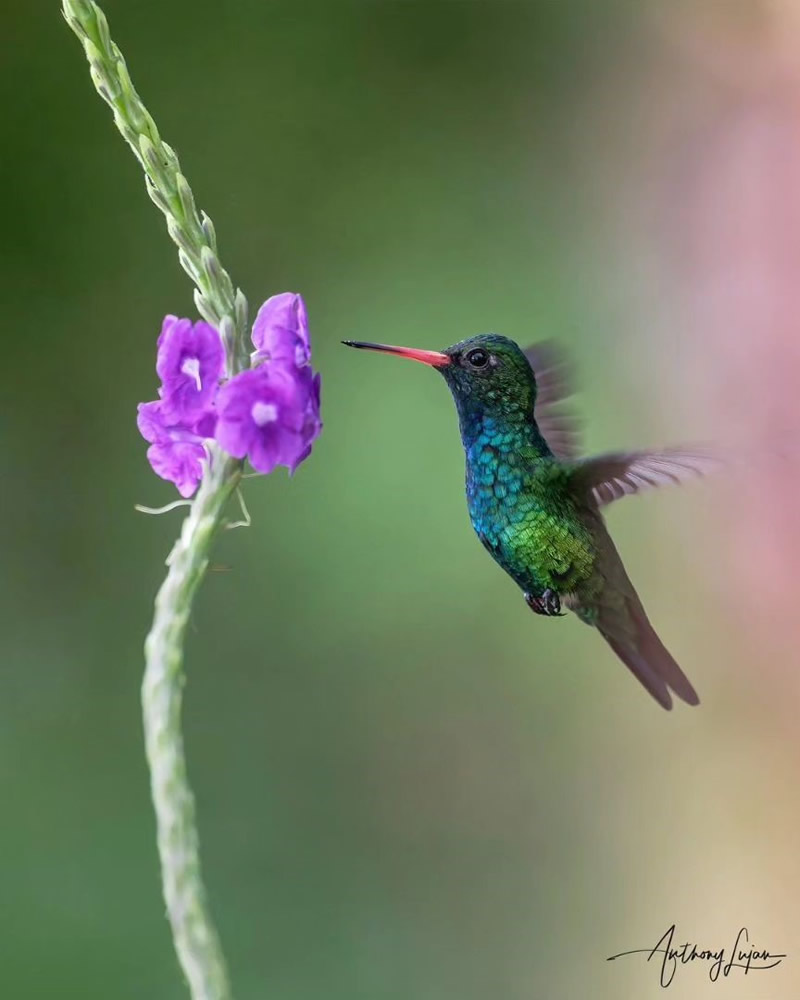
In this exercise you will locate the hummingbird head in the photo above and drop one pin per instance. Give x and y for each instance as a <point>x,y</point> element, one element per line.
<point>488,375</point>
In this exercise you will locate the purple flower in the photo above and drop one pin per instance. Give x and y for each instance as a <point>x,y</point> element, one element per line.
<point>176,451</point>
<point>181,462</point>
<point>270,414</point>
<point>312,424</point>
<point>280,332</point>
<point>190,361</point>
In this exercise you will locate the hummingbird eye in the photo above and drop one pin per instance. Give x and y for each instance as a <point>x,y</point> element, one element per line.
<point>478,358</point>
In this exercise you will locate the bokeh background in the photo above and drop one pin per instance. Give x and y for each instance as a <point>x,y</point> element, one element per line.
<point>408,786</point>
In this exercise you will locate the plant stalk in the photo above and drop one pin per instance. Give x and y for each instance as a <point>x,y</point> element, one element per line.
<point>195,937</point>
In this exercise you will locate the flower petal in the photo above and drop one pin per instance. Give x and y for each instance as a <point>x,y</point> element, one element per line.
<point>180,462</point>
<point>151,423</point>
<point>280,331</point>
<point>264,413</point>
<point>190,362</point>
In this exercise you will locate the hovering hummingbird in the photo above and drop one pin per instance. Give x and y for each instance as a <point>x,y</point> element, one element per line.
<point>536,506</point>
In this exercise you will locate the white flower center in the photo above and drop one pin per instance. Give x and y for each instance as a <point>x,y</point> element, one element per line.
<point>191,367</point>
<point>264,413</point>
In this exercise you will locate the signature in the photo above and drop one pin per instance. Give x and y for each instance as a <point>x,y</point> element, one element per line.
<point>720,962</point>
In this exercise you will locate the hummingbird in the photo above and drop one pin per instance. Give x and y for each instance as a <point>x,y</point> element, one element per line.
<point>537,506</point>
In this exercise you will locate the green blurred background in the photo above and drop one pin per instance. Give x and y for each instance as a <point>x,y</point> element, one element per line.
<point>408,787</point>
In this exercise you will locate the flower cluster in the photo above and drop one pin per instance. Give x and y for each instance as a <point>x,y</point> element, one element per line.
<point>269,413</point>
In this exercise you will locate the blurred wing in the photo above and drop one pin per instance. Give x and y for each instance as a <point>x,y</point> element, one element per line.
<point>554,373</point>
<point>608,477</point>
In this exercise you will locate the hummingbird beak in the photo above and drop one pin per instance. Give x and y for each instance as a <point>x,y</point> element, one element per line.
<point>434,358</point>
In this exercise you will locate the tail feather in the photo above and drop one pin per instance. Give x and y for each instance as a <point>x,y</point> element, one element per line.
<point>617,613</point>
<point>648,659</point>
<point>642,670</point>
<point>655,652</point>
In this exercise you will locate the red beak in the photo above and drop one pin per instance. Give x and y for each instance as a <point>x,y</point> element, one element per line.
<point>434,358</point>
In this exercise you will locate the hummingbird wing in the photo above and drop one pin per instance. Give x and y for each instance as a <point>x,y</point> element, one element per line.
<point>606,478</point>
<point>558,425</point>
<point>610,603</point>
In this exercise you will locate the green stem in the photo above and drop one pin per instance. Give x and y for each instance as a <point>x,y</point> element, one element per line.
<point>193,931</point>
<point>193,233</point>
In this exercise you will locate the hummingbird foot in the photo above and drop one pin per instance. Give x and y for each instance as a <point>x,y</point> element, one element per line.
<point>549,604</point>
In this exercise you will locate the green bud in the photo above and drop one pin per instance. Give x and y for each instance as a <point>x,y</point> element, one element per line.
<point>103,35</point>
<point>227,332</point>
<point>153,163</point>
<point>187,200</point>
<point>170,158</point>
<point>210,265</point>
<point>188,265</point>
<point>240,311</point>
<point>180,237</point>
<point>209,231</point>
<point>206,309</point>
<point>156,196</point>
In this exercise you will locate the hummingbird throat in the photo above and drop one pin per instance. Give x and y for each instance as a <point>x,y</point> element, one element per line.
<point>506,430</point>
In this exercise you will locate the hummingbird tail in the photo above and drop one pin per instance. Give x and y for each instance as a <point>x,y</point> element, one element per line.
<point>619,616</point>
<point>648,659</point>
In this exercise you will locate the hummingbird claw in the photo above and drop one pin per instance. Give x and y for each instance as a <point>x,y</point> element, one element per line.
<point>549,604</point>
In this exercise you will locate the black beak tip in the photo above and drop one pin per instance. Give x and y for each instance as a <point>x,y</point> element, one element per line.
<point>349,343</point>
